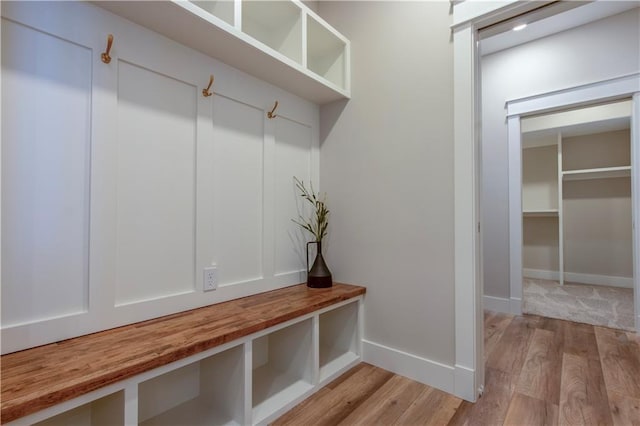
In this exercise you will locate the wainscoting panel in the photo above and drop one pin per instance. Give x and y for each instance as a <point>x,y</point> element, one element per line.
<point>155,185</point>
<point>46,143</point>
<point>292,158</point>
<point>238,138</point>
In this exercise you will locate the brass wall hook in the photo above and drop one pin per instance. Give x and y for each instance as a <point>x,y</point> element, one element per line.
<point>206,92</point>
<point>105,55</point>
<point>271,114</point>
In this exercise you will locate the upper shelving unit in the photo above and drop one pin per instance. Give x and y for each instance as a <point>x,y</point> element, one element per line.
<point>266,39</point>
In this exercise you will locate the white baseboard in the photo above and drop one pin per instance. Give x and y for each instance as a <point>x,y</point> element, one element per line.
<point>420,369</point>
<point>516,306</point>
<point>464,383</point>
<point>608,280</point>
<point>540,274</point>
<point>502,305</point>
<point>496,304</point>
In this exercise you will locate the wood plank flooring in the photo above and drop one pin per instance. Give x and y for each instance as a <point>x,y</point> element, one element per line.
<point>539,371</point>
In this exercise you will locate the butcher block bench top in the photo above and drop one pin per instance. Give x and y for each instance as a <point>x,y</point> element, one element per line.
<point>38,378</point>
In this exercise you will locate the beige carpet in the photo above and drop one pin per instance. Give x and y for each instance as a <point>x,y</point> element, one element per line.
<point>590,304</point>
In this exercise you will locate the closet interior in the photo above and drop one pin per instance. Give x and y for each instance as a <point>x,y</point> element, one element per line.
<point>576,196</point>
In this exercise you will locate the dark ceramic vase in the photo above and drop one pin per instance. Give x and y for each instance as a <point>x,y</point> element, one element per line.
<point>319,275</point>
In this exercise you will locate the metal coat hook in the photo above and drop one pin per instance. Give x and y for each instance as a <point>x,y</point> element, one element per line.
<point>206,92</point>
<point>271,114</point>
<point>105,55</point>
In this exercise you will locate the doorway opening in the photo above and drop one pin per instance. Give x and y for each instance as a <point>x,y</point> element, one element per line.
<point>577,252</point>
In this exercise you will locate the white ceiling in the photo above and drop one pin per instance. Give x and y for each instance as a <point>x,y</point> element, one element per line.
<point>585,13</point>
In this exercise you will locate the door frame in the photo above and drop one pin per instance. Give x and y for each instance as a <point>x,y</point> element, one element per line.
<point>468,18</point>
<point>624,87</point>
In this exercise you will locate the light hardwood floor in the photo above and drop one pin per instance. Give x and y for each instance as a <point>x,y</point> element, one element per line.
<point>539,371</point>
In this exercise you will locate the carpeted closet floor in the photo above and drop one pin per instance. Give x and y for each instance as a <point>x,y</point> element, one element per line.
<point>590,304</point>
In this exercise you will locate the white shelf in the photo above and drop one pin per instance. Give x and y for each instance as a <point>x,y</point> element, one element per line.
<point>266,42</point>
<point>541,213</point>
<point>599,173</point>
<point>192,394</point>
<point>108,410</point>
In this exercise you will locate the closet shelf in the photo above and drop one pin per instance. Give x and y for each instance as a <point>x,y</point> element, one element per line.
<point>599,173</point>
<point>540,213</point>
<point>254,44</point>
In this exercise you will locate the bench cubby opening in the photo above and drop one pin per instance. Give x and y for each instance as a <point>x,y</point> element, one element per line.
<point>338,339</point>
<point>108,410</point>
<point>193,394</point>
<point>282,368</point>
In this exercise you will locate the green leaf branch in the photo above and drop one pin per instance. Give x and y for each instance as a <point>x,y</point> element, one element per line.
<point>319,221</point>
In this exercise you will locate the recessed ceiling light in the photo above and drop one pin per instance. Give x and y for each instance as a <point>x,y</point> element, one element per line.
<point>519,27</point>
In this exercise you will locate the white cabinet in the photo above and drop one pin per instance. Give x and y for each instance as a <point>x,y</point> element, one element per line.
<point>249,381</point>
<point>282,42</point>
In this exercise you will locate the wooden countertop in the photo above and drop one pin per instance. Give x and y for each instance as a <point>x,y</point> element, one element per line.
<point>41,377</point>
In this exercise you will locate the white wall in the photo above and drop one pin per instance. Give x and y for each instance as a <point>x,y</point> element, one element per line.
<point>593,52</point>
<point>387,166</point>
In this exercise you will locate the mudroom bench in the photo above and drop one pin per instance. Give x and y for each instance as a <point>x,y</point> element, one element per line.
<point>243,362</point>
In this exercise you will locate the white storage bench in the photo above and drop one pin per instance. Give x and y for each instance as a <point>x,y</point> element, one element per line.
<point>246,361</point>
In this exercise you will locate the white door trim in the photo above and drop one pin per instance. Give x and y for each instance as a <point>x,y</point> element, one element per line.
<point>468,17</point>
<point>627,86</point>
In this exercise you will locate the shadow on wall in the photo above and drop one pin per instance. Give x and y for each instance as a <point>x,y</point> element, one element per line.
<point>329,117</point>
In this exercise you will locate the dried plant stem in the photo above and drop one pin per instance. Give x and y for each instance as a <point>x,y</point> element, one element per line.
<point>318,223</point>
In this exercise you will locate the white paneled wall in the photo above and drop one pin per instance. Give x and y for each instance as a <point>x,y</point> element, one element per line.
<point>156,191</point>
<point>121,181</point>
<point>239,161</point>
<point>45,164</point>
<point>292,158</point>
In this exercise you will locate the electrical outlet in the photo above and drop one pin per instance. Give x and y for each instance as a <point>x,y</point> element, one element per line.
<point>210,278</point>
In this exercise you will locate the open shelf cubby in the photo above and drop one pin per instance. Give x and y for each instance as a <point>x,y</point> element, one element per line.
<point>221,9</point>
<point>277,24</point>
<point>108,410</point>
<point>282,368</point>
<point>596,154</point>
<point>338,339</point>
<point>325,53</point>
<point>193,394</point>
